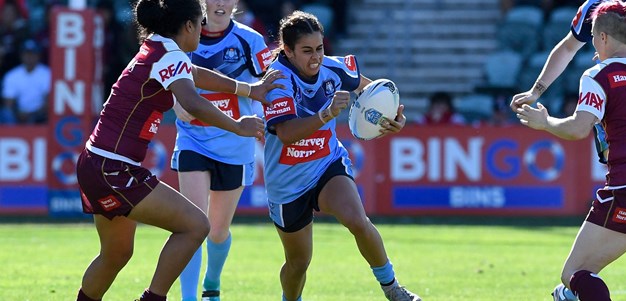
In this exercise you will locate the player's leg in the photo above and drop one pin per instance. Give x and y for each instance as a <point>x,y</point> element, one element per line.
<point>222,206</point>
<point>298,248</point>
<point>339,197</point>
<point>586,259</point>
<point>164,207</point>
<point>116,248</point>
<point>195,186</point>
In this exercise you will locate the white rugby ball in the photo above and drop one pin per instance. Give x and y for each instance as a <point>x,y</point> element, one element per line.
<point>379,99</point>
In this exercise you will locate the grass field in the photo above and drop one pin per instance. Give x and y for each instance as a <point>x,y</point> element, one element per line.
<point>439,260</point>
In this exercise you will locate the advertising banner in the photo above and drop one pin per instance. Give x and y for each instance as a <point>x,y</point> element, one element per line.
<point>509,171</point>
<point>422,171</point>
<point>76,42</point>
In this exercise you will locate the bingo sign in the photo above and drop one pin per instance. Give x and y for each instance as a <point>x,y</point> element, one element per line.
<point>76,62</point>
<point>469,170</point>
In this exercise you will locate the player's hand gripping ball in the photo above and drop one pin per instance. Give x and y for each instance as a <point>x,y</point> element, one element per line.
<point>379,99</point>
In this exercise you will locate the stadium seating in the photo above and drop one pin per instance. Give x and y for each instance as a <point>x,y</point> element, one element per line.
<point>557,26</point>
<point>520,30</point>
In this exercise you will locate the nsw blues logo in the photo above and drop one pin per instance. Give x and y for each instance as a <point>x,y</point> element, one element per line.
<point>372,116</point>
<point>232,55</point>
<point>329,88</point>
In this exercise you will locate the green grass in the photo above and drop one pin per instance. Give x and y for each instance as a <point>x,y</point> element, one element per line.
<point>444,262</point>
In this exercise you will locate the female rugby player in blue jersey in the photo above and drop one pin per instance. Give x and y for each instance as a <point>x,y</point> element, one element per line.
<point>306,167</point>
<point>214,165</point>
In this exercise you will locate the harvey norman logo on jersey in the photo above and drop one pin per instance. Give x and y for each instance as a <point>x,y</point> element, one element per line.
<point>280,106</point>
<point>308,149</point>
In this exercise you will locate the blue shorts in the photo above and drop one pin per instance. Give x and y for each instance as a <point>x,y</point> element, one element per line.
<point>295,215</point>
<point>224,176</point>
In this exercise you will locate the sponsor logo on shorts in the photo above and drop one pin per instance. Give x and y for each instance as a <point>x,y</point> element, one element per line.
<point>109,203</point>
<point>308,149</point>
<point>619,215</point>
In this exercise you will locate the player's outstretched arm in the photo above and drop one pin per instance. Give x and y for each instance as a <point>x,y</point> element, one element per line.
<point>197,106</point>
<point>557,61</point>
<point>574,127</point>
<point>214,81</point>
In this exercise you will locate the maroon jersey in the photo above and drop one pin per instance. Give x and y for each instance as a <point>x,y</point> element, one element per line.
<point>603,93</point>
<point>132,114</point>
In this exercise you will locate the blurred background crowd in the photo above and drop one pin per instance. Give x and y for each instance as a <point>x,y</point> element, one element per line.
<point>455,61</point>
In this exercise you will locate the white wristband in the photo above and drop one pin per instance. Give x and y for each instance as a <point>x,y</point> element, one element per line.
<point>247,93</point>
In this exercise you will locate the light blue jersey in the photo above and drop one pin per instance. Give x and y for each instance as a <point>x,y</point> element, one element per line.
<point>291,170</point>
<point>240,54</point>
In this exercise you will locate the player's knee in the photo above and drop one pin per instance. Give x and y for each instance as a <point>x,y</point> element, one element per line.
<point>200,228</point>
<point>299,264</point>
<point>357,224</point>
<point>218,234</point>
<point>117,258</point>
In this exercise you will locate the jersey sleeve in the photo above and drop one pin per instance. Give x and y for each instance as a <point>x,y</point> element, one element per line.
<point>261,54</point>
<point>346,68</point>
<point>283,106</point>
<point>581,24</point>
<point>174,65</point>
<point>592,98</point>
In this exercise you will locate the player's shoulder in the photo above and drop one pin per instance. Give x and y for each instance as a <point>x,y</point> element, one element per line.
<point>246,31</point>
<point>339,61</point>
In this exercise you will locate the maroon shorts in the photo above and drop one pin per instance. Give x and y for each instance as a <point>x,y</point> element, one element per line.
<point>111,187</point>
<point>612,213</point>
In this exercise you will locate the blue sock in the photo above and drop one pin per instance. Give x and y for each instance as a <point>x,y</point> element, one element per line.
<point>216,258</point>
<point>385,273</point>
<point>189,277</point>
<point>569,295</point>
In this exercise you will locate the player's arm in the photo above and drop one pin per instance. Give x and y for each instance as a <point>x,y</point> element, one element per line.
<point>557,61</point>
<point>196,105</point>
<point>213,81</point>
<point>295,129</point>
<point>574,127</point>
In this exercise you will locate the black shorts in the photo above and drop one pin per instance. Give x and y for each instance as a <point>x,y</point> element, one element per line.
<point>224,176</point>
<point>298,213</point>
<point>610,214</point>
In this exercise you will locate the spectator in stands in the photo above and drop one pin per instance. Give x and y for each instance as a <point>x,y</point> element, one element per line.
<point>441,111</point>
<point>26,87</point>
<point>601,239</point>
<point>245,15</point>
<point>13,32</point>
<point>116,51</point>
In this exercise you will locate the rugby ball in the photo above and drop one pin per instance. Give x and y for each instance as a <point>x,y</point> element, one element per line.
<point>378,99</point>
